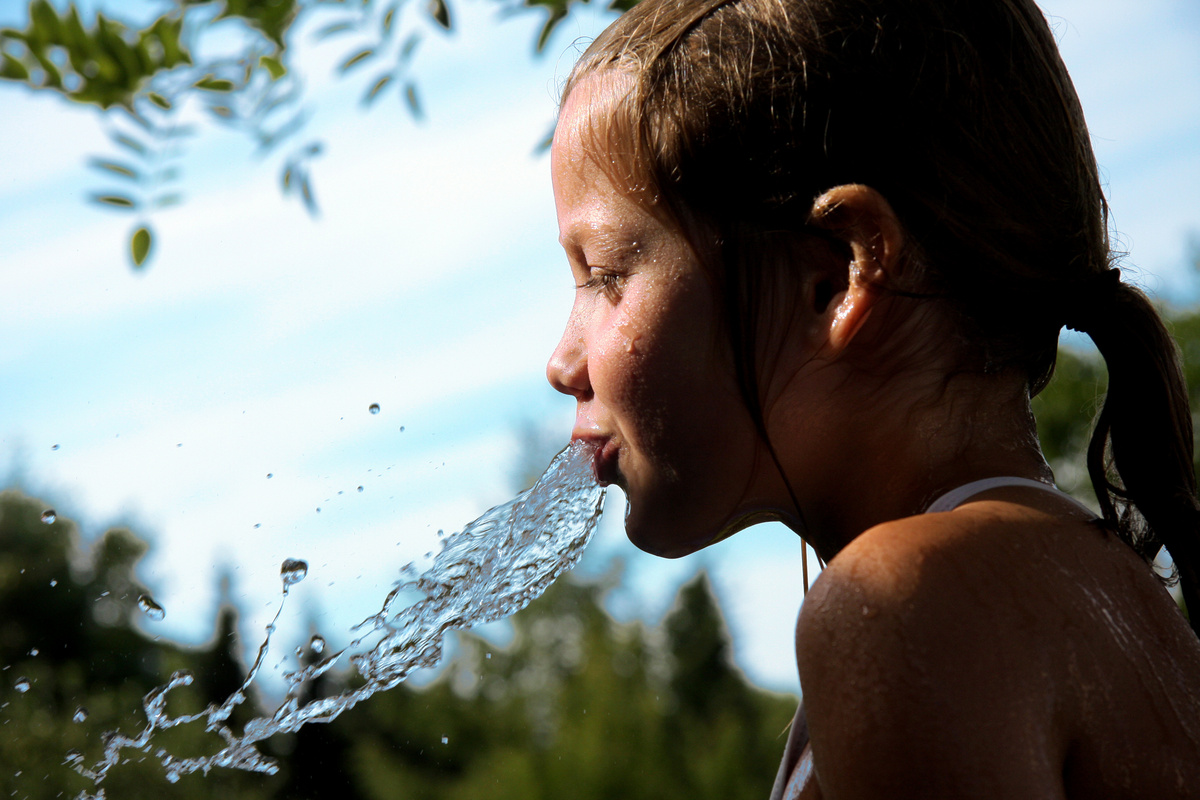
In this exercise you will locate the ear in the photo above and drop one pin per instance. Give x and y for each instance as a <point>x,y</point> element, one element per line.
<point>864,220</point>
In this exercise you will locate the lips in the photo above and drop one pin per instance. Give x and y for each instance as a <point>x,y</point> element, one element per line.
<point>605,461</point>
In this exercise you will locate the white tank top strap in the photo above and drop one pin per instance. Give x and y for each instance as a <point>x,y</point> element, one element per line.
<point>956,497</point>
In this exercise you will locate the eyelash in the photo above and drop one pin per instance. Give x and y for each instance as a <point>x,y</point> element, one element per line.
<point>607,282</point>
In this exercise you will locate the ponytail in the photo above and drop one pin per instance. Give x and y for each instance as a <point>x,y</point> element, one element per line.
<point>1140,454</point>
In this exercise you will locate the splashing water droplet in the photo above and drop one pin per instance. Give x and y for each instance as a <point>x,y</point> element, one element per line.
<point>54,447</point>
<point>360,489</point>
<point>49,516</point>
<point>53,584</point>
<point>445,740</point>
<point>80,714</point>
<point>317,644</point>
<point>492,568</point>
<point>402,429</point>
<point>34,652</point>
<point>299,652</point>
<point>373,408</point>
<point>150,608</point>
<point>258,525</point>
<point>293,570</point>
<point>74,755</point>
<point>22,685</point>
<point>270,475</point>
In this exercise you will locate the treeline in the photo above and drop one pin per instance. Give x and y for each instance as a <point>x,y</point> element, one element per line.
<point>577,705</point>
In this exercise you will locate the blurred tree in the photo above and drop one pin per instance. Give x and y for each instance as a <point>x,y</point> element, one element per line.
<point>141,72</point>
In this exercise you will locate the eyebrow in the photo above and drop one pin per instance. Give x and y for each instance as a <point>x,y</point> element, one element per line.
<point>608,240</point>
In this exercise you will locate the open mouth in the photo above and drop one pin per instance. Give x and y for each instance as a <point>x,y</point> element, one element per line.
<point>604,463</point>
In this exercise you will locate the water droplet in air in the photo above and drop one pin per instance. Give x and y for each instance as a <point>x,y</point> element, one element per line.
<point>293,571</point>
<point>488,655</point>
<point>21,685</point>
<point>53,584</point>
<point>258,524</point>
<point>34,652</point>
<point>373,408</point>
<point>402,429</point>
<point>317,645</point>
<point>74,755</point>
<point>318,509</point>
<point>54,447</point>
<point>299,652</point>
<point>80,714</point>
<point>150,608</point>
<point>49,516</point>
<point>270,475</point>
<point>445,740</point>
<point>360,489</point>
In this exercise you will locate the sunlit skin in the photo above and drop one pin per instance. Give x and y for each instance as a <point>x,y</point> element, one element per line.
<point>964,654</point>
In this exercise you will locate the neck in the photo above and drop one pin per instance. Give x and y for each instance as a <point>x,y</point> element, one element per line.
<point>969,427</point>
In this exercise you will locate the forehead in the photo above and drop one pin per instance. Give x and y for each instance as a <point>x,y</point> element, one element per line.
<point>595,195</point>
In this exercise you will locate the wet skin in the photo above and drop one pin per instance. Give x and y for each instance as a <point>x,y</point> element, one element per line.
<point>1009,648</point>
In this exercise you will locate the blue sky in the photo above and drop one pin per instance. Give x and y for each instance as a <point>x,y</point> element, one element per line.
<point>431,284</point>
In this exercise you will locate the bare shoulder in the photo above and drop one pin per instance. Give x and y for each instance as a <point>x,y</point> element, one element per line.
<point>989,652</point>
<point>922,664</point>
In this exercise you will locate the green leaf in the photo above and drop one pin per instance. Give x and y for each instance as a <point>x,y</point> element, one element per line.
<point>117,168</point>
<point>414,102</point>
<point>357,58</point>
<point>140,245</point>
<point>388,18</point>
<point>374,91</point>
<point>410,46</point>
<point>273,66</point>
<point>115,200</point>
<point>159,100</point>
<point>440,13</point>
<point>211,84</point>
<point>556,16</point>
<point>130,143</point>
<point>330,30</point>
<point>13,70</point>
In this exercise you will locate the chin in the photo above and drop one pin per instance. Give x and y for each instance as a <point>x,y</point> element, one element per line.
<point>665,537</point>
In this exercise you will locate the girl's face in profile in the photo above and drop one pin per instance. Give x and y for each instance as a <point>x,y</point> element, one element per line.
<point>645,357</point>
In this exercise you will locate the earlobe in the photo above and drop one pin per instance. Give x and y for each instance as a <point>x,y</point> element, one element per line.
<point>864,220</point>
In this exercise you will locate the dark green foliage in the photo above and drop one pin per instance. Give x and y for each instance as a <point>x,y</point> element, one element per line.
<point>105,64</point>
<point>577,705</point>
<point>1067,407</point>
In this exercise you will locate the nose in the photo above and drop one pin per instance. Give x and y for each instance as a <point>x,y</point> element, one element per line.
<point>567,369</point>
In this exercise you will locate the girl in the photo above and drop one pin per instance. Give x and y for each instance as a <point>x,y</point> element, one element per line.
<point>823,250</point>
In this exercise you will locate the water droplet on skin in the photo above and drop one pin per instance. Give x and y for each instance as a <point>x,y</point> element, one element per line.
<point>80,715</point>
<point>49,516</point>
<point>360,489</point>
<point>150,608</point>
<point>317,645</point>
<point>293,570</point>
<point>21,685</point>
<point>373,408</point>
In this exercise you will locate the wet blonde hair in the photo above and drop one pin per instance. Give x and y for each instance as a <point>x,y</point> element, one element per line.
<point>731,117</point>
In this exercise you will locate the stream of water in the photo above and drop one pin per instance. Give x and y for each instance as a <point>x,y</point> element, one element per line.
<point>489,570</point>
